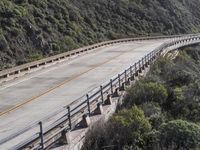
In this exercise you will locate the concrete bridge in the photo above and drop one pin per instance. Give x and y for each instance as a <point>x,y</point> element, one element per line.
<point>42,101</point>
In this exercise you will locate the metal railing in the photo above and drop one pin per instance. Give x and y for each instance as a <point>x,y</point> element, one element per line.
<point>42,134</point>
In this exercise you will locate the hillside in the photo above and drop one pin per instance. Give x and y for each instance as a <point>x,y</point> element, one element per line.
<point>33,29</point>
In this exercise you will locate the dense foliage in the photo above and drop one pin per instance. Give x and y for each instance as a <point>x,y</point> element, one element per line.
<point>32,29</point>
<point>165,104</point>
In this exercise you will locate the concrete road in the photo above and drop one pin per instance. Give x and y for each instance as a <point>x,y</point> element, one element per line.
<point>33,96</point>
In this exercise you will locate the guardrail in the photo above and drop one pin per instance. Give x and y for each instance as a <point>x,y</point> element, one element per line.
<point>28,66</point>
<point>44,134</point>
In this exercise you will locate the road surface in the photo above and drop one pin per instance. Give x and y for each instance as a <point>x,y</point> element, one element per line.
<point>31,97</point>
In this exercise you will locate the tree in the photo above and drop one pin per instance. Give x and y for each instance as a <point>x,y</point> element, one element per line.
<point>131,127</point>
<point>128,127</point>
<point>179,134</point>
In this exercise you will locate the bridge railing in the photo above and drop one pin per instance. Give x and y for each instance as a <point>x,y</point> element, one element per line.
<point>44,134</point>
<point>29,66</point>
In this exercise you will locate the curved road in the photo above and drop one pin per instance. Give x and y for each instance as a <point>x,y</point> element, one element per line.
<point>31,97</point>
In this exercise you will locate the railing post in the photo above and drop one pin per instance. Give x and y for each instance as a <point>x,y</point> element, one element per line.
<point>139,64</point>
<point>150,56</point>
<point>125,75</point>
<point>88,103</point>
<point>131,71</point>
<point>153,54</point>
<point>135,65</point>
<point>142,62</point>
<point>69,117</point>
<point>148,59</point>
<point>145,59</point>
<point>101,88</point>
<point>41,135</point>
<point>111,86</point>
<point>119,79</point>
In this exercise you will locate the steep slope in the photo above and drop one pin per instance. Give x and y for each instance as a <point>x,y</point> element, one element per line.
<point>32,29</point>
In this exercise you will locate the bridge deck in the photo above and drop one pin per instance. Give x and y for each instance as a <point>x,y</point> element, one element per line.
<point>31,97</point>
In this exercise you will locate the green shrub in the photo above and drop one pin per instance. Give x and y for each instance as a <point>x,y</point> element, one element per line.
<point>146,92</point>
<point>131,127</point>
<point>179,134</point>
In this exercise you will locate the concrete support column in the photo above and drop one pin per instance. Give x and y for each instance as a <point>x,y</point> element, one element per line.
<point>65,137</point>
<point>122,88</point>
<point>99,109</point>
<point>127,82</point>
<point>18,72</point>
<point>108,101</point>
<point>132,78</point>
<point>85,121</point>
<point>136,73</point>
<point>116,93</point>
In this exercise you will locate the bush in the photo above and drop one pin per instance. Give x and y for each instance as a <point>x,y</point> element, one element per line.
<point>131,127</point>
<point>179,134</point>
<point>146,92</point>
<point>128,127</point>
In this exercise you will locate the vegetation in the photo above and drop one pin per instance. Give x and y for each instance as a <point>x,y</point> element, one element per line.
<point>30,28</point>
<point>161,111</point>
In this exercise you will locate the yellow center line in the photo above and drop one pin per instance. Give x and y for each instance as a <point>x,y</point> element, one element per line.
<point>53,88</point>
